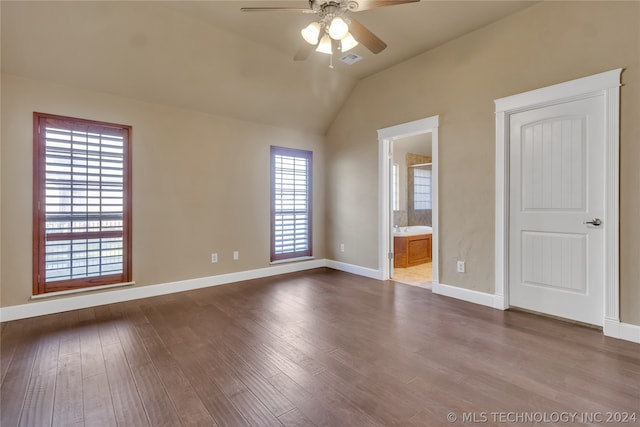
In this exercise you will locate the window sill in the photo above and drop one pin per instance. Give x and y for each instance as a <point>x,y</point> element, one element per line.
<point>283,261</point>
<point>80,290</point>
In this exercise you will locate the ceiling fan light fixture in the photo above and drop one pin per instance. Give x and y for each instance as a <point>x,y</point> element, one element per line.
<point>311,33</point>
<point>325,45</point>
<point>338,29</point>
<point>348,43</point>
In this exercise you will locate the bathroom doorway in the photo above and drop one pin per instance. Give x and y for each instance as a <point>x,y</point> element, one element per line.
<point>408,209</point>
<point>411,199</point>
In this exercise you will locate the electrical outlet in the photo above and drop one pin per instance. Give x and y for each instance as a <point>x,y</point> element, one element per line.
<point>236,255</point>
<point>341,247</point>
<point>214,258</point>
<point>460,266</point>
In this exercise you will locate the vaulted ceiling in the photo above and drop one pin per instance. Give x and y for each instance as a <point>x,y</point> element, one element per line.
<point>211,57</point>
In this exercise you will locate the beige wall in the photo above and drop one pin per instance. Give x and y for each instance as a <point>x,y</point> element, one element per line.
<point>549,43</point>
<point>200,184</point>
<point>200,181</point>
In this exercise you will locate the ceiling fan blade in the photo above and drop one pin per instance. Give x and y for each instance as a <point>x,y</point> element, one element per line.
<point>276,9</point>
<point>372,4</point>
<point>304,52</point>
<point>366,37</point>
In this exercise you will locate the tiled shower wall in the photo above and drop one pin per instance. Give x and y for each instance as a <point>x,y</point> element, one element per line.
<point>421,217</point>
<point>400,218</point>
<point>413,217</point>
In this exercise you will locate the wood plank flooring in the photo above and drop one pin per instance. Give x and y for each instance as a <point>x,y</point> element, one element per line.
<point>316,348</point>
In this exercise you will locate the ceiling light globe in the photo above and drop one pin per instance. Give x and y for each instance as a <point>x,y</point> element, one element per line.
<point>338,29</point>
<point>325,45</point>
<point>348,43</point>
<point>311,33</point>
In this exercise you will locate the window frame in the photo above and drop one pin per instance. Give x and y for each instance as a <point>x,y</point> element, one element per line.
<point>418,185</point>
<point>40,285</point>
<point>308,156</point>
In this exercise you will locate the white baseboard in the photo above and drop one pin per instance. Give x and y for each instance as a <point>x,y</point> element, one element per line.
<point>476,297</point>
<point>354,269</point>
<point>75,302</point>
<point>612,328</point>
<point>623,331</point>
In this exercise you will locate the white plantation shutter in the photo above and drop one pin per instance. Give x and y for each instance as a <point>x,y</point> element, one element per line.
<point>82,203</point>
<point>290,203</point>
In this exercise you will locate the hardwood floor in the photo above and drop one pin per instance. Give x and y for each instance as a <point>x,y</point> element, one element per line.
<point>317,348</point>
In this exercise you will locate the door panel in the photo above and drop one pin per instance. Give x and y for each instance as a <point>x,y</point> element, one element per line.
<point>556,261</point>
<point>553,164</point>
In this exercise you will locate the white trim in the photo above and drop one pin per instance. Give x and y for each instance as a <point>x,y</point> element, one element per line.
<point>384,218</point>
<point>355,269</point>
<point>404,130</point>
<point>607,85</point>
<point>60,305</point>
<point>386,136</point>
<point>560,92</point>
<point>435,204</point>
<point>501,257</point>
<point>612,204</point>
<point>476,297</point>
<point>612,328</point>
<point>622,331</point>
<point>81,290</point>
<point>287,260</point>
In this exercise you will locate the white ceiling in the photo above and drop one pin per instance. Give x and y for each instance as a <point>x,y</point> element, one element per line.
<point>211,57</point>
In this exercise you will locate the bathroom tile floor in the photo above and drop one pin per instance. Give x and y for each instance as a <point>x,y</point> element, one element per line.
<point>420,275</point>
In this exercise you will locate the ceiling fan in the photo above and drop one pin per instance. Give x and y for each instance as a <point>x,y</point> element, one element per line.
<point>334,31</point>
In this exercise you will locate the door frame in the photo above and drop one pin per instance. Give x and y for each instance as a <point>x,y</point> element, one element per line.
<point>607,86</point>
<point>386,136</point>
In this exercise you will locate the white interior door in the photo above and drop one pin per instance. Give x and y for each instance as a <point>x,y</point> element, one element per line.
<point>557,174</point>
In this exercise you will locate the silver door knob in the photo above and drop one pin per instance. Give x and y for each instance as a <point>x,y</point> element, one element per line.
<point>595,222</point>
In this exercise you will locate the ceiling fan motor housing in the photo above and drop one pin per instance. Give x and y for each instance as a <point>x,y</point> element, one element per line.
<point>333,6</point>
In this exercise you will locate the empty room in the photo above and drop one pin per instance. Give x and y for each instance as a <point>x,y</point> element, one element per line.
<point>319,213</point>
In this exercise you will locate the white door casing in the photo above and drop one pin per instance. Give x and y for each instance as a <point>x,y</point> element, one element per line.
<point>556,177</point>
<point>385,145</point>
<point>605,87</point>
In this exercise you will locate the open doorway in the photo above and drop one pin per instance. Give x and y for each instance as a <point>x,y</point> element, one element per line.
<point>411,199</point>
<point>409,151</point>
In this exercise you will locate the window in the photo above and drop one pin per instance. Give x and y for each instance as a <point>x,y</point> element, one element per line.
<point>82,203</point>
<point>396,187</point>
<point>290,203</point>
<point>421,189</point>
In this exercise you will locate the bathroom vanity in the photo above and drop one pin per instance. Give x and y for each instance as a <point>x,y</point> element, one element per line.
<point>411,249</point>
